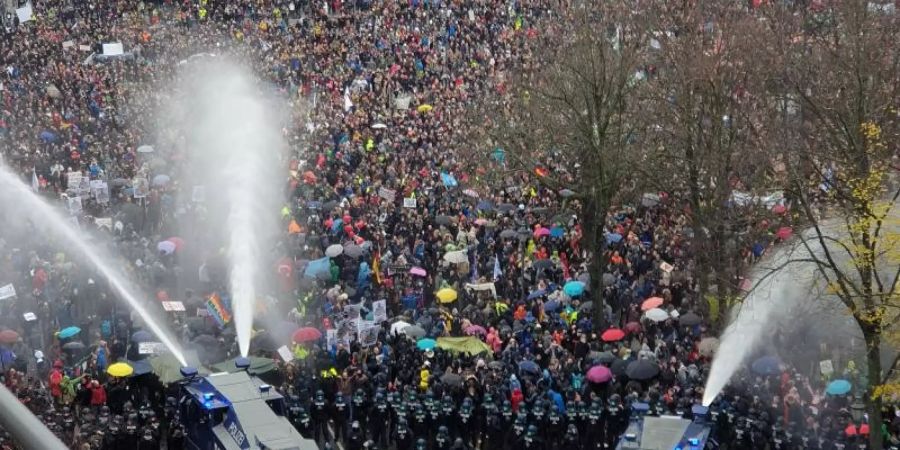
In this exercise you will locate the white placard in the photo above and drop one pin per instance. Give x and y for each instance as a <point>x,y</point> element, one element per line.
<point>67,44</point>
<point>113,49</point>
<point>285,353</point>
<point>25,13</point>
<point>379,311</point>
<point>74,205</point>
<point>409,202</point>
<point>387,194</point>
<point>141,187</point>
<point>104,222</point>
<point>352,311</point>
<point>29,317</point>
<point>151,348</point>
<point>7,291</point>
<point>666,267</point>
<point>826,367</point>
<point>363,324</point>
<point>73,180</point>
<point>330,338</point>
<point>84,48</point>
<point>173,306</point>
<point>368,336</point>
<point>202,312</point>
<point>199,194</point>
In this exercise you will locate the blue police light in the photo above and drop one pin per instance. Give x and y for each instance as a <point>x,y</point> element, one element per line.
<point>639,408</point>
<point>694,441</point>
<point>188,372</point>
<point>242,363</point>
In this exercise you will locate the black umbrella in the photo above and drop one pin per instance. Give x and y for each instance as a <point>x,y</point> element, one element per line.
<point>73,346</point>
<point>619,367</point>
<point>414,331</point>
<point>451,379</point>
<point>542,264</point>
<point>689,319</point>
<point>641,370</point>
<point>206,341</point>
<point>608,279</point>
<point>586,306</point>
<point>265,341</point>
<point>504,207</point>
<point>605,358</point>
<point>539,210</point>
<point>443,220</point>
<point>508,234</point>
<point>496,365</point>
<point>329,205</point>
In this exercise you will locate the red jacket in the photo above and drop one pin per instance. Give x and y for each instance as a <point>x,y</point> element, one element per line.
<point>55,379</point>
<point>98,395</point>
<point>515,399</point>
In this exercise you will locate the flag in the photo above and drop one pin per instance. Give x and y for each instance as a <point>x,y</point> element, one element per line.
<point>35,184</point>
<point>217,309</point>
<point>497,271</point>
<point>376,266</point>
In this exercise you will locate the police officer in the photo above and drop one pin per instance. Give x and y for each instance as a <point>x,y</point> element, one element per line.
<point>360,408</point>
<point>402,434</point>
<point>379,415</point>
<point>571,440</point>
<point>531,439</point>
<point>466,422</point>
<point>442,438</point>
<point>355,437</point>
<point>319,416</point>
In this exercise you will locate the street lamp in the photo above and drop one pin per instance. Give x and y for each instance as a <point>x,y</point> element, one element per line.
<point>857,408</point>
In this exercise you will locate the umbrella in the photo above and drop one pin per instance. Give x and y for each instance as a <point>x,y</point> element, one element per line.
<point>475,329</point>
<point>73,346</point>
<point>48,136</point>
<point>161,180</point>
<point>541,232</point>
<point>530,367</point>
<point>166,247</point>
<point>652,302</point>
<point>120,370</point>
<point>266,341</point>
<point>8,336</point>
<point>508,234</point>
<point>557,232</point>
<point>505,207</point>
<point>641,370</point>
<point>608,279</point>
<point>619,367</point>
<point>612,335</point>
<point>708,346</point>
<point>605,358</point>
<point>413,331</point>
<point>426,344</point>
<point>446,295</point>
<point>329,205</point>
<point>141,336</point>
<point>398,326</point>
<point>168,368</point>
<point>484,205</point>
<point>536,294</point>
<point>586,306</point>
<point>379,126</point>
<point>66,333</point>
<point>456,257</point>
<point>424,108</point>
<point>613,238</point>
<point>767,365</point>
<point>838,387</point>
<point>306,334</point>
<point>353,250</point>
<point>779,209</point>
<point>451,379</point>
<point>689,319</point>
<point>318,268</point>
<point>551,306</point>
<point>632,327</point>
<point>418,271</point>
<point>471,193</point>
<point>574,288</point>
<point>443,220</point>
<point>179,243</point>
<point>145,149</point>
<point>495,365</point>
<point>656,315</point>
<point>599,374</point>
<point>542,264</point>
<point>784,232</point>
<point>334,250</point>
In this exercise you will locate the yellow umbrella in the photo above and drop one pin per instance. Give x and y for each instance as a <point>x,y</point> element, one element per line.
<point>120,370</point>
<point>446,295</point>
<point>425,108</point>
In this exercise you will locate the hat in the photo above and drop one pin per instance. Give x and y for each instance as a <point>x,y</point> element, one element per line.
<point>39,356</point>
<point>429,353</point>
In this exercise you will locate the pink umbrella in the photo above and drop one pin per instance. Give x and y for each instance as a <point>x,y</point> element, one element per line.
<point>475,329</point>
<point>650,303</point>
<point>779,209</point>
<point>543,231</point>
<point>480,221</point>
<point>612,335</point>
<point>599,374</point>
<point>783,233</point>
<point>179,243</point>
<point>418,271</point>
<point>632,327</point>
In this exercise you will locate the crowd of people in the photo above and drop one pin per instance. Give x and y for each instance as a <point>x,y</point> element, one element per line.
<point>490,341</point>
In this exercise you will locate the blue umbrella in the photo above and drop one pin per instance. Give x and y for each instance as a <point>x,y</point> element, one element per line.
<point>574,288</point>
<point>613,238</point>
<point>426,344</point>
<point>535,294</point>
<point>66,333</point>
<point>551,306</point>
<point>48,136</point>
<point>767,365</point>
<point>484,205</point>
<point>838,387</point>
<point>141,336</point>
<point>319,268</point>
<point>758,249</point>
<point>557,232</point>
<point>530,367</point>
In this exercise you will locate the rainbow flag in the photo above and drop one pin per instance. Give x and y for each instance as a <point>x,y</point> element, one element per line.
<point>217,309</point>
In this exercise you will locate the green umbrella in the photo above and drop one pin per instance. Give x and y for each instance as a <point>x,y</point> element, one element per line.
<point>257,365</point>
<point>168,368</point>
<point>470,345</point>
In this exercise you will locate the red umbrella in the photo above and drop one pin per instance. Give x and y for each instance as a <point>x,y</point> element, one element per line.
<point>650,303</point>
<point>179,243</point>
<point>612,335</point>
<point>850,430</point>
<point>632,327</point>
<point>779,209</point>
<point>307,334</point>
<point>8,336</point>
<point>599,374</point>
<point>783,233</point>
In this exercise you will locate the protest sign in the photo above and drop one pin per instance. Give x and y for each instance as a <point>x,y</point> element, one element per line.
<point>826,367</point>
<point>352,311</point>
<point>113,49</point>
<point>285,353</point>
<point>173,306</point>
<point>666,267</point>
<point>73,180</point>
<point>67,44</point>
<point>331,338</point>
<point>141,187</point>
<point>368,335</point>
<point>7,291</point>
<point>379,311</point>
<point>25,13</point>
<point>387,194</point>
<point>409,202</point>
<point>151,348</point>
<point>29,317</point>
<point>74,205</point>
<point>363,324</point>
<point>104,222</point>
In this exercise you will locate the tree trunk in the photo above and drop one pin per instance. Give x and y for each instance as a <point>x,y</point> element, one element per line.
<point>594,243</point>
<point>874,403</point>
